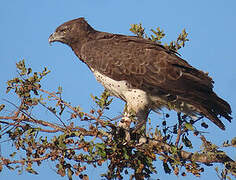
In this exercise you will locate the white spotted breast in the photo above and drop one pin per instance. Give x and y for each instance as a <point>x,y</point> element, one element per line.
<point>136,99</point>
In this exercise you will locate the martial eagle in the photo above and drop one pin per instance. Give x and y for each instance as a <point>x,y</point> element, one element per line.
<point>144,74</point>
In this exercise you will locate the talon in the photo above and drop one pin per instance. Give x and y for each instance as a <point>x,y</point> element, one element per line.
<point>142,141</point>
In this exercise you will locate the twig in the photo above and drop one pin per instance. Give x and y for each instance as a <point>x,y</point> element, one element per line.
<point>206,158</point>
<point>54,114</point>
<point>179,131</point>
<point>7,161</point>
<point>75,110</point>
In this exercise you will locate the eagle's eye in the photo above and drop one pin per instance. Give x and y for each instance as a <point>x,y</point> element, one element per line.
<point>64,30</point>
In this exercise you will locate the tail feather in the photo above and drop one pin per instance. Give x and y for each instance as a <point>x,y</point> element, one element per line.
<point>213,117</point>
<point>214,107</point>
<point>223,108</point>
<point>211,106</point>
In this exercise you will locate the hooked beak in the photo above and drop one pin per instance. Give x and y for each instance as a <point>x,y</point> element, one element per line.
<point>51,38</point>
<point>57,37</point>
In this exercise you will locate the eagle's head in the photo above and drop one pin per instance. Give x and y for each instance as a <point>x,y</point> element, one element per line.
<point>71,32</point>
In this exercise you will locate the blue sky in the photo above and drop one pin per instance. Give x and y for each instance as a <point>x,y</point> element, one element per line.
<point>26,25</point>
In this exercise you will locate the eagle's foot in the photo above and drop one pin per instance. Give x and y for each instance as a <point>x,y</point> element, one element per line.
<point>137,133</point>
<point>128,135</point>
<point>122,135</point>
<point>142,140</point>
<point>125,125</point>
<point>125,122</point>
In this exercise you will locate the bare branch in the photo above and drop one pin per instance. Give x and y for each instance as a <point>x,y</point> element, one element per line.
<point>7,161</point>
<point>179,131</point>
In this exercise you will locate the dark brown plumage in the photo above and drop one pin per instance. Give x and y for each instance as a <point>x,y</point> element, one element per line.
<point>130,64</point>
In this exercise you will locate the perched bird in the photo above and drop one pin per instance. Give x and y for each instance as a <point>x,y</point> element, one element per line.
<point>144,74</point>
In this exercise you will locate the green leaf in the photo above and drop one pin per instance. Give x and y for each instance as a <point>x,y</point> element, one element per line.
<point>174,149</point>
<point>61,142</point>
<point>93,97</point>
<point>89,158</point>
<point>102,153</point>
<point>137,29</point>
<point>30,170</point>
<point>100,146</point>
<point>189,126</point>
<point>77,133</point>
<point>125,153</point>
<point>161,158</point>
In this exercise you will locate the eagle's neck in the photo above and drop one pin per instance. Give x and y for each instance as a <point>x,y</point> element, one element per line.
<point>77,45</point>
<point>76,48</point>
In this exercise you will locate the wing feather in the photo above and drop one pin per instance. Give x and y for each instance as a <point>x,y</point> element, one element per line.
<point>153,68</point>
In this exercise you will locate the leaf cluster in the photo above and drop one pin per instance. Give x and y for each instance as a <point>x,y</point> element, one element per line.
<point>157,36</point>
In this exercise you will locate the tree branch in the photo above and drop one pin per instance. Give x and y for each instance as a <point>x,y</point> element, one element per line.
<point>22,161</point>
<point>179,131</point>
<point>206,158</point>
